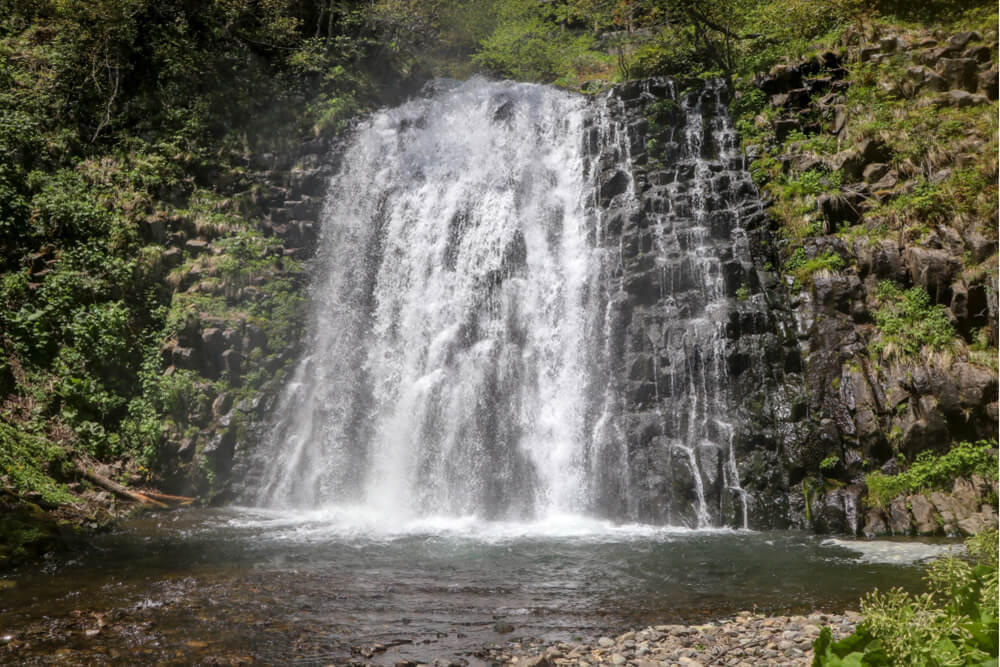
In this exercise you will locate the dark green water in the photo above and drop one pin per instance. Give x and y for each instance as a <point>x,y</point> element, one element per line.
<point>222,586</point>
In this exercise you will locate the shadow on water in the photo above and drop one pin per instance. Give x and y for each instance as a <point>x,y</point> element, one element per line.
<point>227,585</point>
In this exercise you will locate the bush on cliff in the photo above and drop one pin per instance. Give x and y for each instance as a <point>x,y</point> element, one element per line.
<point>933,472</point>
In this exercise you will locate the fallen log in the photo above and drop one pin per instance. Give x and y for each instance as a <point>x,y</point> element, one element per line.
<point>115,487</point>
<point>167,498</point>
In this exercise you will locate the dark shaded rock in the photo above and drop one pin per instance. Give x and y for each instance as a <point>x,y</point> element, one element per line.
<point>196,246</point>
<point>874,172</point>
<point>232,365</point>
<point>988,84</point>
<point>171,257</point>
<point>785,126</point>
<point>184,357</point>
<point>844,207</point>
<point>613,185</point>
<point>867,53</point>
<point>836,511</point>
<point>981,54</point>
<point>921,78</point>
<point>932,269</point>
<point>959,73</point>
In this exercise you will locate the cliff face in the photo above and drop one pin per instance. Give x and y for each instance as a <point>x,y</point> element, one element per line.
<point>772,351</point>
<point>881,161</point>
<point>709,370</point>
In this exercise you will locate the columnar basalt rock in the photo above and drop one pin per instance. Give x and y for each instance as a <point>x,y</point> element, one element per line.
<point>863,410</point>
<point>710,369</point>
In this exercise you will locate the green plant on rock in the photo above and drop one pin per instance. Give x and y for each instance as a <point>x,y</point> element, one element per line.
<point>954,623</point>
<point>908,322</point>
<point>932,471</point>
<point>829,463</point>
<point>802,267</point>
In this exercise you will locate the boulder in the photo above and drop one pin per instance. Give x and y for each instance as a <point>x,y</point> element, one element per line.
<point>949,511</point>
<point>959,73</point>
<point>892,44</point>
<point>924,516</point>
<point>977,386</point>
<point>961,40</point>
<point>932,269</point>
<point>839,118</point>
<point>988,84</point>
<point>852,162</point>
<point>887,262</point>
<point>961,99</point>
<point>981,54</point>
<point>875,524</point>
<point>920,78</point>
<point>868,53</point>
<point>232,364</point>
<point>900,520</point>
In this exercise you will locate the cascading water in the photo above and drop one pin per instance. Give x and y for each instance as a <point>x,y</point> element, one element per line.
<point>520,314</point>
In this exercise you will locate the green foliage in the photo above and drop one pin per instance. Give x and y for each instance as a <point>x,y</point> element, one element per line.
<point>750,102</point>
<point>829,463</point>
<point>26,462</point>
<point>117,112</point>
<point>908,322</point>
<point>529,44</point>
<point>932,472</point>
<point>803,267</point>
<point>811,183</point>
<point>954,623</point>
<point>742,293</point>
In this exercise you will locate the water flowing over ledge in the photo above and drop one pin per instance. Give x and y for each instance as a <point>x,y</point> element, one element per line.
<point>520,314</point>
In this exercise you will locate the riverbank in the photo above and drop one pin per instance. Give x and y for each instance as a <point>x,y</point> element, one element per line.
<point>742,640</point>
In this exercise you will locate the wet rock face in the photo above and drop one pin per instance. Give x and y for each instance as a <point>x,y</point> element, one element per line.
<point>710,370</point>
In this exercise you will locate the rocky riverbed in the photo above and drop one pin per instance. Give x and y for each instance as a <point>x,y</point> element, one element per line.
<point>743,640</point>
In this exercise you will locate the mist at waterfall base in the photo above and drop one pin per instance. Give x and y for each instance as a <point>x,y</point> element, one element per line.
<point>452,462</point>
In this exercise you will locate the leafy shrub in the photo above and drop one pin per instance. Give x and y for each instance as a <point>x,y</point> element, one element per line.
<point>954,623</point>
<point>812,183</point>
<point>829,463</point>
<point>908,321</point>
<point>803,267</point>
<point>931,471</point>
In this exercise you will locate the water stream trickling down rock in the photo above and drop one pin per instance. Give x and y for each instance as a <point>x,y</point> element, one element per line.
<point>529,303</point>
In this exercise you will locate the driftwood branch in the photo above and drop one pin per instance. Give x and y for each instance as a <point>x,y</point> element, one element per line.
<point>115,487</point>
<point>167,498</point>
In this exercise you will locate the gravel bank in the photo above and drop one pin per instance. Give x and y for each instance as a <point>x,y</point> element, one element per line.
<point>746,640</point>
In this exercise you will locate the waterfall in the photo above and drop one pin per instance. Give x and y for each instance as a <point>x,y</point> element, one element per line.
<point>519,311</point>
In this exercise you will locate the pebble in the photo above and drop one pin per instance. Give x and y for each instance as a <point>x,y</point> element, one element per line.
<point>744,639</point>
